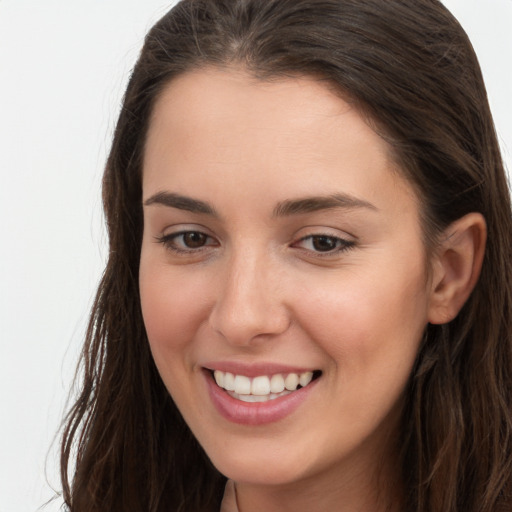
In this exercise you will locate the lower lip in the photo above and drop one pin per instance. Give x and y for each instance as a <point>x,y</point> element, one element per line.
<point>255,413</point>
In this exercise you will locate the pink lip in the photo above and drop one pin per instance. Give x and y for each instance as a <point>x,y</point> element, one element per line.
<point>254,369</point>
<point>255,413</point>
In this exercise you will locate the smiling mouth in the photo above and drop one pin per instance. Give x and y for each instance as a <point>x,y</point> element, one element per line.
<point>264,387</point>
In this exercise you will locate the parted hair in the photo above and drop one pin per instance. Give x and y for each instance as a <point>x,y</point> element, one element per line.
<point>409,68</point>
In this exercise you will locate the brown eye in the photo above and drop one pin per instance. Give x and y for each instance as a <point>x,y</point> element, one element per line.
<point>187,242</point>
<point>324,243</point>
<point>194,239</point>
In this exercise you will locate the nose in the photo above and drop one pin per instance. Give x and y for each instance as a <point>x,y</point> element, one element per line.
<point>250,305</point>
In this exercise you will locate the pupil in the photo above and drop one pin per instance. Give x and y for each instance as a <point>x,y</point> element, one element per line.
<point>324,243</point>
<point>194,240</point>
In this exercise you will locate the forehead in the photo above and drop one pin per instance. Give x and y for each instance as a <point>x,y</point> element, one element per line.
<point>210,126</point>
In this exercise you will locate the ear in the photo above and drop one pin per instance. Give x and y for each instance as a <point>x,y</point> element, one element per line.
<point>456,267</point>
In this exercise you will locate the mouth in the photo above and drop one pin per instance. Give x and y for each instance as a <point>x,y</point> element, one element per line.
<point>262,388</point>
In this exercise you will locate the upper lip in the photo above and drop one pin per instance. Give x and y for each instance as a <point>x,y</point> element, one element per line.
<point>256,369</point>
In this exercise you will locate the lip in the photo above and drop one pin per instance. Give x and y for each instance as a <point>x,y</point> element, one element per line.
<point>255,413</point>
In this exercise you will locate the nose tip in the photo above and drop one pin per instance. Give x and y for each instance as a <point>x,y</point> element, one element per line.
<point>249,307</point>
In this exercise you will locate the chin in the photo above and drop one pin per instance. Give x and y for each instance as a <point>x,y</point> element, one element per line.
<point>262,461</point>
<point>259,472</point>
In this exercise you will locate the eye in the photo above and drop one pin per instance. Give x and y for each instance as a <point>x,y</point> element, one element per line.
<point>186,241</point>
<point>192,239</point>
<point>324,244</point>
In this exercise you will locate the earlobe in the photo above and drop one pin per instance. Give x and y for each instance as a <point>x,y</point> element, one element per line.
<point>456,267</point>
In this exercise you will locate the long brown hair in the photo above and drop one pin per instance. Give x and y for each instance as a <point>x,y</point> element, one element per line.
<point>408,66</point>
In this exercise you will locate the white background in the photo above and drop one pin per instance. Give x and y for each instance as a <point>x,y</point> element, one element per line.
<point>63,68</point>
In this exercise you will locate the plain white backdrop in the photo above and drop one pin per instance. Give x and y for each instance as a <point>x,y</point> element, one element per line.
<point>63,69</point>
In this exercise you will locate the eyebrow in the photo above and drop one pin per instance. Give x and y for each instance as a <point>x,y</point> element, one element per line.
<point>282,209</point>
<point>181,203</point>
<point>317,203</point>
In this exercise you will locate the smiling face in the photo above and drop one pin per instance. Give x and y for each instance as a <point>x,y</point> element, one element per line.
<point>279,239</point>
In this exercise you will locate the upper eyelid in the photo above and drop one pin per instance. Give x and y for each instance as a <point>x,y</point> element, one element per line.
<point>181,232</point>
<point>168,242</point>
<point>335,237</point>
<point>326,231</point>
<point>174,231</point>
<point>326,235</point>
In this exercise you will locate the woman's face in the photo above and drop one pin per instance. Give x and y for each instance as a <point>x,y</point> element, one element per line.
<point>280,246</point>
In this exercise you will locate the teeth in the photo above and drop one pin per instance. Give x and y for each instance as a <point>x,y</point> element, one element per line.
<point>229,382</point>
<point>242,385</point>
<point>305,378</point>
<point>255,398</point>
<point>276,383</point>
<point>219,378</point>
<point>291,382</point>
<point>261,388</point>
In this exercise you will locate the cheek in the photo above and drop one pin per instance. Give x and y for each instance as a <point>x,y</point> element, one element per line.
<point>371,333</point>
<point>370,325</point>
<point>172,310</point>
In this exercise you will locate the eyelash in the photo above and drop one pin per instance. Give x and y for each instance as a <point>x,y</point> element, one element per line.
<point>169,241</point>
<point>341,244</point>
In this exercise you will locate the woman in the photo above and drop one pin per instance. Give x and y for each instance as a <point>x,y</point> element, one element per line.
<point>308,287</point>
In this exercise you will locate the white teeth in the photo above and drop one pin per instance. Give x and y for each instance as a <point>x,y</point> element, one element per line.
<point>276,383</point>
<point>260,386</point>
<point>256,398</point>
<point>219,378</point>
<point>291,382</point>
<point>229,382</point>
<point>242,385</point>
<point>263,387</point>
<point>305,378</point>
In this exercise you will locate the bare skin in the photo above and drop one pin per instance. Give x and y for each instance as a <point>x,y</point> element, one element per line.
<point>236,267</point>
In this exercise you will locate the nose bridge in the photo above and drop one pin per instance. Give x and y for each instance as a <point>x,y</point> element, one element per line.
<point>249,304</point>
